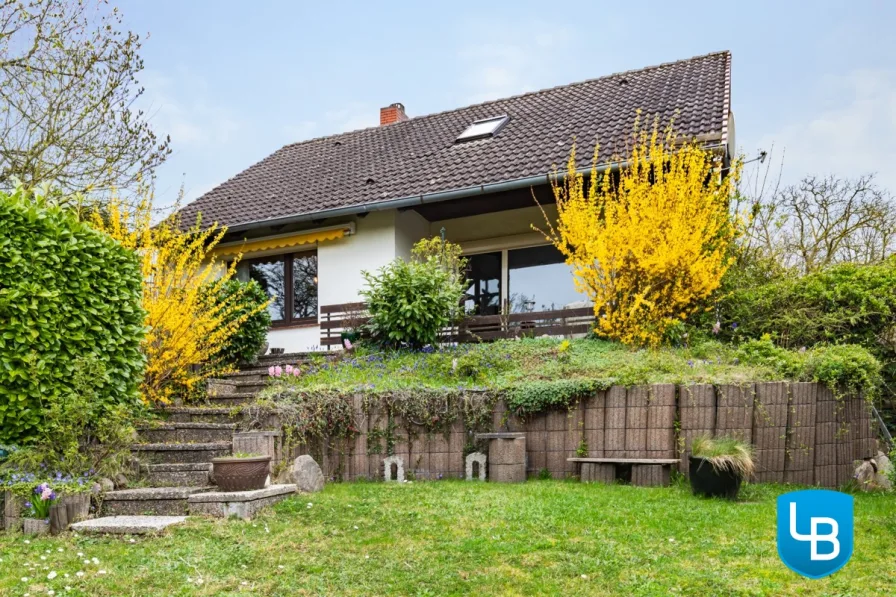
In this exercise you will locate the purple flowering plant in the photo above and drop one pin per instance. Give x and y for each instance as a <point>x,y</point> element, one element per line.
<point>40,503</point>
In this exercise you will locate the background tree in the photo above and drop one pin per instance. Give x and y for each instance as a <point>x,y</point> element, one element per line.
<point>67,93</point>
<point>648,245</point>
<point>823,221</point>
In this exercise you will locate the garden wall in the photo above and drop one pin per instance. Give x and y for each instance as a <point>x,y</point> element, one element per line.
<point>801,433</point>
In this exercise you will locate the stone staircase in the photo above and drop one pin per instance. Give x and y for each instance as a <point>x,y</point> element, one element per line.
<point>174,456</point>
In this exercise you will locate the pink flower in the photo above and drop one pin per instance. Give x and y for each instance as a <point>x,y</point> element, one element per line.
<point>296,372</point>
<point>278,371</point>
<point>271,371</point>
<point>347,343</point>
<point>288,370</point>
<point>47,494</point>
<point>717,327</point>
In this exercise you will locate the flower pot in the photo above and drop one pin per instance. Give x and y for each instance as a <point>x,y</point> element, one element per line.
<point>36,526</point>
<point>241,474</point>
<point>264,349</point>
<point>706,480</point>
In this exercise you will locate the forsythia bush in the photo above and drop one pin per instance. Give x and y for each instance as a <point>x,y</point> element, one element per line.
<point>648,248</point>
<point>67,293</point>
<point>186,323</point>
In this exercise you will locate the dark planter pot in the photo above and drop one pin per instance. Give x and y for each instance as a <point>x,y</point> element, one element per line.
<point>706,480</point>
<point>241,474</point>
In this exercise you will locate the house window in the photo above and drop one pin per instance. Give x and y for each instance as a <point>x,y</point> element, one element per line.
<point>524,280</point>
<point>291,280</point>
<point>538,279</point>
<point>488,127</point>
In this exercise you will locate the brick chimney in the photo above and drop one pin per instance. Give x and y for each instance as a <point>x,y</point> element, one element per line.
<point>392,114</point>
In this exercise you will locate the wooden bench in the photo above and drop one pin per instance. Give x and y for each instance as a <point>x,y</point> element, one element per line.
<point>646,472</point>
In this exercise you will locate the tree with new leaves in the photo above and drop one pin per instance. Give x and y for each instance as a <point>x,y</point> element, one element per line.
<point>67,93</point>
<point>189,317</point>
<point>648,243</point>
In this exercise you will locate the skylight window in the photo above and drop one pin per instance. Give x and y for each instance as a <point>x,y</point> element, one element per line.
<point>480,129</point>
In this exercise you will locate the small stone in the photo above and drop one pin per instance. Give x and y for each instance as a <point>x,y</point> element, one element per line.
<point>106,485</point>
<point>306,474</point>
<point>121,482</point>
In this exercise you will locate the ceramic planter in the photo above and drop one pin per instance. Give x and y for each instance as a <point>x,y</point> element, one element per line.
<point>706,480</point>
<point>241,474</point>
<point>36,526</point>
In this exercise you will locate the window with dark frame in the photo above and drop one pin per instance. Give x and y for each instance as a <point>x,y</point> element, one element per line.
<point>291,280</point>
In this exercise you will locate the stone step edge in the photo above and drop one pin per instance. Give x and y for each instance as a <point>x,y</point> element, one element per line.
<point>196,410</point>
<point>181,447</point>
<point>247,395</point>
<point>183,467</point>
<point>155,493</point>
<point>173,426</point>
<point>232,382</point>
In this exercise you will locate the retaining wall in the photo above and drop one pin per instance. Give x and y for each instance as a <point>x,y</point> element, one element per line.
<point>801,433</point>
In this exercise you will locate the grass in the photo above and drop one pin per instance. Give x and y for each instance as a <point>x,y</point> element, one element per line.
<point>456,538</point>
<point>505,363</point>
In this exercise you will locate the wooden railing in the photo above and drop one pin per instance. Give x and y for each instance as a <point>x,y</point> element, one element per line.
<point>334,319</point>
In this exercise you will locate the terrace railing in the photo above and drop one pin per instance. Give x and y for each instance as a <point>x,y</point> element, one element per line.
<point>334,319</point>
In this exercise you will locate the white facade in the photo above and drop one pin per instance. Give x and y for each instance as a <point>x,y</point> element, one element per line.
<point>380,237</point>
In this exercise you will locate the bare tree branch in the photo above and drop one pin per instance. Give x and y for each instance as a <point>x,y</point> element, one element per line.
<point>67,90</point>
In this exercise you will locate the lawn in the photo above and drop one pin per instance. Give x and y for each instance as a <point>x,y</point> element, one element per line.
<point>455,537</point>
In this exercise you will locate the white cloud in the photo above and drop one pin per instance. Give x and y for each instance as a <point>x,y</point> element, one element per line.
<point>853,134</point>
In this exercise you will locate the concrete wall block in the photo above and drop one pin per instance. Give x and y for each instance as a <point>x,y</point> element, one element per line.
<point>635,442</point>
<point>507,451</point>
<point>595,440</point>
<point>615,418</point>
<point>616,397</point>
<point>594,418</point>
<point>650,475</point>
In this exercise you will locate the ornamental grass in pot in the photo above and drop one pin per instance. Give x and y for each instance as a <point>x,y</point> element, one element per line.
<point>719,465</point>
<point>241,472</point>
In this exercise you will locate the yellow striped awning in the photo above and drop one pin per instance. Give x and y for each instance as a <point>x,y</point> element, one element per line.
<point>279,242</point>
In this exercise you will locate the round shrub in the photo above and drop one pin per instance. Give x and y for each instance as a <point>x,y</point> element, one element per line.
<point>410,302</point>
<point>243,346</point>
<point>67,293</point>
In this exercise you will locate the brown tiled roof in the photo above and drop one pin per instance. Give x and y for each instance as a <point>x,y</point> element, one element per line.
<point>420,156</point>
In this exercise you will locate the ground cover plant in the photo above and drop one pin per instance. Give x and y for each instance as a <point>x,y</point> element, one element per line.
<point>561,370</point>
<point>457,537</point>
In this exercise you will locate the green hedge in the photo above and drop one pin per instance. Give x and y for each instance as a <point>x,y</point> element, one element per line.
<point>244,345</point>
<point>67,292</point>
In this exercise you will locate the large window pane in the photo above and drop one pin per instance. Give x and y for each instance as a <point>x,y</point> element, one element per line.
<point>539,280</point>
<point>270,274</point>
<point>483,297</point>
<point>304,284</point>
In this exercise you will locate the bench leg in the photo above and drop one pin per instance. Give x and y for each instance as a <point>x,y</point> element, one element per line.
<point>650,475</point>
<point>601,473</point>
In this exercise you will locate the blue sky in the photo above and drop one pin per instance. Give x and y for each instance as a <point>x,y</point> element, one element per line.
<point>232,81</point>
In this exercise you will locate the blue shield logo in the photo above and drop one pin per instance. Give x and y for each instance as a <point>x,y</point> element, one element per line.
<point>815,531</point>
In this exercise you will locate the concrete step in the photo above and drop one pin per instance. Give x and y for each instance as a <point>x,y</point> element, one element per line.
<point>199,414</point>
<point>187,432</point>
<point>127,525</point>
<point>234,399</point>
<point>289,358</point>
<point>180,453</point>
<point>158,501</point>
<point>253,374</point>
<point>217,387</point>
<point>191,474</point>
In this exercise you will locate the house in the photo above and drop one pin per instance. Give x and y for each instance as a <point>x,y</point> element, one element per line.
<point>312,216</point>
